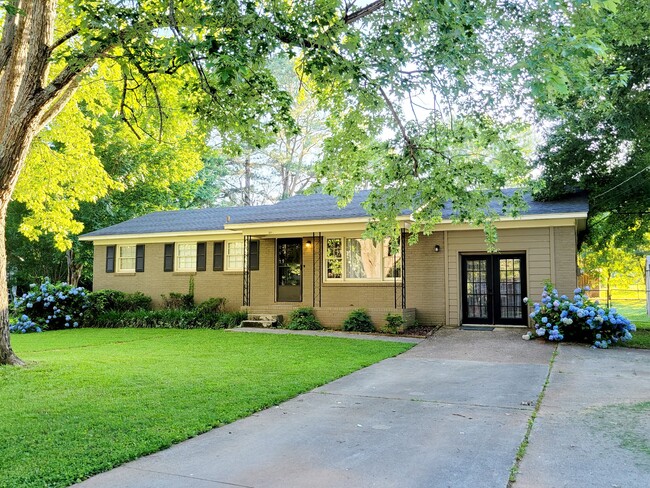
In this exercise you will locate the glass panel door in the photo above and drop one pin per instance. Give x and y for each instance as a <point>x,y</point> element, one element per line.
<point>289,270</point>
<point>493,290</point>
<point>476,290</point>
<point>510,305</point>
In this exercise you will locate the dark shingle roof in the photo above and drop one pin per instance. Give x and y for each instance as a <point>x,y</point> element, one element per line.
<point>298,208</point>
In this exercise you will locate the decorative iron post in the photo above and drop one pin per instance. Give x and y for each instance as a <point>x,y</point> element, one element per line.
<point>317,269</point>
<point>403,249</point>
<point>247,272</point>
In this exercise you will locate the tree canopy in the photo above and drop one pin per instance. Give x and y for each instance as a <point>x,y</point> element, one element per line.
<point>469,63</point>
<point>598,141</point>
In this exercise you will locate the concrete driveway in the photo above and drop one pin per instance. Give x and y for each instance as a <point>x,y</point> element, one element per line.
<point>451,412</point>
<point>593,427</point>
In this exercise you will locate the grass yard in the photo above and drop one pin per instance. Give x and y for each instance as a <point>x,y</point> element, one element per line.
<point>92,399</point>
<point>635,311</point>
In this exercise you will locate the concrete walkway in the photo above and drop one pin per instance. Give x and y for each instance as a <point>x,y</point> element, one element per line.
<point>451,412</point>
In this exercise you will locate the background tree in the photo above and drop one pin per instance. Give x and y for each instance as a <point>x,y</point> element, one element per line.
<point>362,62</point>
<point>598,141</point>
<point>287,164</point>
<point>614,267</point>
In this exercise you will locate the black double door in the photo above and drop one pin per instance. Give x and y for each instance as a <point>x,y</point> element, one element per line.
<point>494,287</point>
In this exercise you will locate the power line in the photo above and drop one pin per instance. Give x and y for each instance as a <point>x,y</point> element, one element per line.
<point>616,197</point>
<point>623,182</point>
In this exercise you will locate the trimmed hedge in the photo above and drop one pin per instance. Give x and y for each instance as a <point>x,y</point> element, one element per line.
<point>117,301</point>
<point>169,319</point>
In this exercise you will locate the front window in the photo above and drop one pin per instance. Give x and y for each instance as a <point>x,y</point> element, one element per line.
<point>235,256</point>
<point>186,256</point>
<point>392,261</point>
<point>361,259</point>
<point>334,259</point>
<point>126,258</point>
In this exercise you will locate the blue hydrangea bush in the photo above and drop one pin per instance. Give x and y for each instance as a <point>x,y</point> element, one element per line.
<point>580,319</point>
<point>49,306</point>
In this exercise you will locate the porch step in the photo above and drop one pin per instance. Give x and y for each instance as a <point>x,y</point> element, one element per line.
<point>262,320</point>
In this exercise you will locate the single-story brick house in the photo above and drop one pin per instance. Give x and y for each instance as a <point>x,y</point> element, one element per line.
<point>306,251</point>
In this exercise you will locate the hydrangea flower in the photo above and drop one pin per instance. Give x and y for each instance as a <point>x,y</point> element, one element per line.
<point>556,318</point>
<point>48,306</point>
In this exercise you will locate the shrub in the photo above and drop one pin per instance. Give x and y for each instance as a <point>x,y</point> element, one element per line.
<point>113,300</point>
<point>303,319</point>
<point>358,321</point>
<point>559,318</point>
<point>394,322</point>
<point>214,305</point>
<point>169,319</point>
<point>232,319</point>
<point>49,306</point>
<point>178,301</point>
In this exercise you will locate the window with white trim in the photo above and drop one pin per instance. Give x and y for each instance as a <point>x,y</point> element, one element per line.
<point>356,259</point>
<point>186,256</point>
<point>126,259</point>
<point>234,255</point>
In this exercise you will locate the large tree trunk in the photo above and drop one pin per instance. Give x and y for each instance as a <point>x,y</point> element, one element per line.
<point>13,152</point>
<point>7,355</point>
<point>26,105</point>
<point>74,268</point>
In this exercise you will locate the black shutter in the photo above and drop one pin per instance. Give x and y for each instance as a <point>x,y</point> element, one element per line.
<point>139,258</point>
<point>254,255</point>
<point>200,256</point>
<point>110,259</point>
<point>169,257</point>
<point>217,263</point>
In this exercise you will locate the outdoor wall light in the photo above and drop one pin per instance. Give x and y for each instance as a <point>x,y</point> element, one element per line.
<point>436,248</point>
<point>308,244</point>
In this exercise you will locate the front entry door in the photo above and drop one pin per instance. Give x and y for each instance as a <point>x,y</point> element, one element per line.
<point>494,287</point>
<point>289,270</point>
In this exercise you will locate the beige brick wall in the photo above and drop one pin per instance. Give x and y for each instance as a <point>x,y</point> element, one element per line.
<point>432,279</point>
<point>333,317</point>
<point>425,283</point>
<point>155,282</point>
<point>550,254</point>
<point>566,267</point>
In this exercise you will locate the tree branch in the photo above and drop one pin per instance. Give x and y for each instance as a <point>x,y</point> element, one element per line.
<point>7,43</point>
<point>363,12</point>
<point>76,67</point>
<point>123,106</point>
<point>405,136</point>
<point>57,105</point>
<point>153,86</point>
<point>63,39</point>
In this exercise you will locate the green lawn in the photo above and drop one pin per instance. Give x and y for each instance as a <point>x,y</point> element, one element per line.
<point>635,311</point>
<point>91,399</point>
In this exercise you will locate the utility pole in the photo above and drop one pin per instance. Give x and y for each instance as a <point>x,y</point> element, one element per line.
<point>647,285</point>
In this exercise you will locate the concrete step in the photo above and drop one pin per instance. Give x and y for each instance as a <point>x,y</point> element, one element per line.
<point>265,317</point>
<point>262,320</point>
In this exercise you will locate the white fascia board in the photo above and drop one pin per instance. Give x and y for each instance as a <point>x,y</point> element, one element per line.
<point>162,236</point>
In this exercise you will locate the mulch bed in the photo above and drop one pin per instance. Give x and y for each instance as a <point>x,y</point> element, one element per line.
<point>420,331</point>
